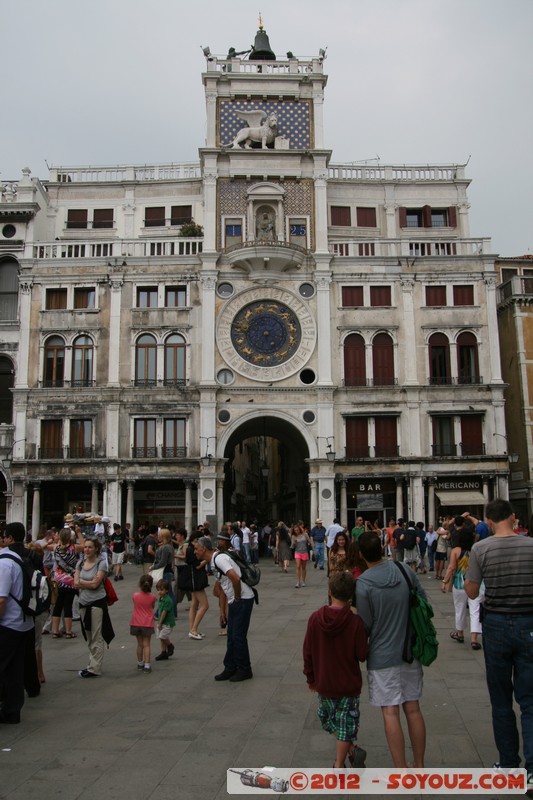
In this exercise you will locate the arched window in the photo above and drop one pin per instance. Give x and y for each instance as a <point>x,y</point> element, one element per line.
<point>6,396</point>
<point>175,360</point>
<point>146,361</point>
<point>54,362</point>
<point>467,359</point>
<point>354,360</point>
<point>439,360</point>
<point>82,361</point>
<point>383,360</point>
<point>9,289</point>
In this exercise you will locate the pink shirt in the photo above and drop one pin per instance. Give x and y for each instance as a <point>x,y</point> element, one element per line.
<point>143,610</point>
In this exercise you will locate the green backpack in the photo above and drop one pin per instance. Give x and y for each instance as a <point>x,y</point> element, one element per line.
<point>420,637</point>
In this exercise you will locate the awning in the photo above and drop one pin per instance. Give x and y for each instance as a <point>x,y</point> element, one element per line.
<point>462,499</point>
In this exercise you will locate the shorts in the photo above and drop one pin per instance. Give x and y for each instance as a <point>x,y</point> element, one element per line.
<point>118,558</point>
<point>440,556</point>
<point>164,632</point>
<point>340,717</point>
<point>140,630</point>
<point>410,556</point>
<point>302,556</point>
<point>395,685</point>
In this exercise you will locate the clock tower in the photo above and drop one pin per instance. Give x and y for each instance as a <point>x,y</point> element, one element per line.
<point>266,341</point>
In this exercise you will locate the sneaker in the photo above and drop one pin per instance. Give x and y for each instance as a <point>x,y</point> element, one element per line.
<point>85,673</point>
<point>225,675</point>
<point>170,650</point>
<point>302,584</point>
<point>140,665</point>
<point>147,668</point>
<point>297,586</point>
<point>162,656</point>
<point>195,636</point>
<point>241,675</point>
<point>121,577</point>
<point>357,757</point>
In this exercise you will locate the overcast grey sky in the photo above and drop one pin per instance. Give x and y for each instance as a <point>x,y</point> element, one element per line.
<point>410,81</point>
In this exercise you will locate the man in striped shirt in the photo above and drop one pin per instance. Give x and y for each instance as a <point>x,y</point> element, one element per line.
<point>505,563</point>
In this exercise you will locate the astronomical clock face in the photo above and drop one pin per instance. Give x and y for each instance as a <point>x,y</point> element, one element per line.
<point>266,335</point>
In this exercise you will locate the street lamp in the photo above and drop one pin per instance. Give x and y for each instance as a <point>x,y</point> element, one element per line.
<point>330,452</point>
<point>206,460</point>
<point>7,459</point>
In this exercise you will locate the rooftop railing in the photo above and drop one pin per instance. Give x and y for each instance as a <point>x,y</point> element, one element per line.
<point>378,172</point>
<point>147,172</point>
<point>121,248</point>
<point>410,248</point>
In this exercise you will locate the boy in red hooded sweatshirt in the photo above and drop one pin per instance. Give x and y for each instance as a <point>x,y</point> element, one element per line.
<point>335,642</point>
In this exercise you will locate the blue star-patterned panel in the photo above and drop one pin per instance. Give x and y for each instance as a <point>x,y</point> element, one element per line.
<point>294,120</point>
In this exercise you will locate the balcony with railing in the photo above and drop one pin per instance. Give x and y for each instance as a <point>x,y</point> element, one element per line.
<point>429,247</point>
<point>379,450</point>
<point>368,172</point>
<point>158,452</point>
<point>358,382</point>
<point>518,288</point>
<point>463,449</point>
<point>158,382</point>
<point>120,248</point>
<point>157,172</point>
<point>461,380</point>
<point>61,383</point>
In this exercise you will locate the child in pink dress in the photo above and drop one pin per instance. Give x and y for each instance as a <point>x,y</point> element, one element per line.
<point>142,622</point>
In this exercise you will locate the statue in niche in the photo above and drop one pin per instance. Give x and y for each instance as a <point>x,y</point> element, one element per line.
<point>262,127</point>
<point>265,225</point>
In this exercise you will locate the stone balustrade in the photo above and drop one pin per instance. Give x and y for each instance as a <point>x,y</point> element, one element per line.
<point>378,172</point>
<point>410,248</point>
<point>119,249</point>
<point>146,172</point>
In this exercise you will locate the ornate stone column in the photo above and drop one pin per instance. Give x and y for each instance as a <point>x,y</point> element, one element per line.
<point>409,342</point>
<point>188,503</point>
<point>399,498</point>
<point>220,503</point>
<point>323,283</point>
<point>130,509</point>
<point>36,511</point>
<point>344,503</point>
<point>94,495</point>
<point>116,282</point>
<point>431,512</point>
<point>493,340</point>
<point>313,512</point>
<point>208,283</point>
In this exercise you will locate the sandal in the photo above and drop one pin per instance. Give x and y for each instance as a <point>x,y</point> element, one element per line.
<point>56,636</point>
<point>71,636</point>
<point>475,645</point>
<point>457,637</point>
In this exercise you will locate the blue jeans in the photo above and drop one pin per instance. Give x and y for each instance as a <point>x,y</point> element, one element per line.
<point>508,648</point>
<point>319,554</point>
<point>247,552</point>
<point>237,654</point>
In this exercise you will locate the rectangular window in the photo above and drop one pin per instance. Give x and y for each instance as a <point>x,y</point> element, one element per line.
<point>51,438</point>
<point>102,218</point>
<point>144,439</point>
<point>77,218</point>
<point>463,295</point>
<point>179,215</point>
<point>435,295</point>
<point>386,437</point>
<point>413,218</point>
<point>175,297</point>
<point>56,299</point>
<point>357,437</point>
<point>84,298</point>
<point>341,215</point>
<point>443,438</point>
<point>380,296</point>
<point>233,231</point>
<point>472,435</point>
<point>366,217</point>
<point>439,217</point>
<point>174,438</point>
<point>147,297</point>
<point>154,217</point>
<point>352,296</point>
<point>80,438</point>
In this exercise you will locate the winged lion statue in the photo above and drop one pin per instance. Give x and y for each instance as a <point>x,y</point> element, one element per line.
<point>262,127</point>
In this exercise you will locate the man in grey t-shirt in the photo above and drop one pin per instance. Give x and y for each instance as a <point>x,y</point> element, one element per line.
<point>382,600</point>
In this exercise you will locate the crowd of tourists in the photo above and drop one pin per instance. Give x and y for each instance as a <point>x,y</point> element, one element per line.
<point>486,565</point>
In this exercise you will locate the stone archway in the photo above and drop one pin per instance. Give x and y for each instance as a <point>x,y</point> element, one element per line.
<point>266,473</point>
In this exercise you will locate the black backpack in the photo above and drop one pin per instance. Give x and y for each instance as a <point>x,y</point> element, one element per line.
<point>409,540</point>
<point>250,573</point>
<point>36,592</point>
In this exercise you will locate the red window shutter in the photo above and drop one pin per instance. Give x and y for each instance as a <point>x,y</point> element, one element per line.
<point>383,360</point>
<point>354,360</point>
<point>357,437</point>
<point>463,295</point>
<point>340,215</point>
<point>386,436</point>
<point>154,217</point>
<point>435,295</point>
<point>403,217</point>
<point>380,296</point>
<point>77,218</point>
<point>452,217</point>
<point>179,215</point>
<point>103,218</point>
<point>352,296</point>
<point>472,435</point>
<point>426,217</point>
<point>366,217</point>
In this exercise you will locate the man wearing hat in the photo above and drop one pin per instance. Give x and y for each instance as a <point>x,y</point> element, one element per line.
<point>237,666</point>
<point>318,535</point>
